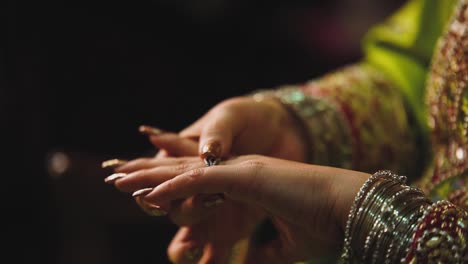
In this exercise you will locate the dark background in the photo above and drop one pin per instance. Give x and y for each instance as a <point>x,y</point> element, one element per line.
<point>78,77</point>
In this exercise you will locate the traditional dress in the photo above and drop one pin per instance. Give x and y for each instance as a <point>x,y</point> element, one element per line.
<point>403,108</point>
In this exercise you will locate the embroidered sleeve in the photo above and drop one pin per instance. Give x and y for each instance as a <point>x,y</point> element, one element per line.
<point>354,118</point>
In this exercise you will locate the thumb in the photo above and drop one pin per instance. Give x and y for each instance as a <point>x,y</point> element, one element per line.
<point>216,138</point>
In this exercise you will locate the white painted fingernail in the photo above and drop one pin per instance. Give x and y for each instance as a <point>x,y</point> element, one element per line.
<point>155,210</point>
<point>141,192</point>
<point>149,130</point>
<point>112,178</point>
<point>113,163</point>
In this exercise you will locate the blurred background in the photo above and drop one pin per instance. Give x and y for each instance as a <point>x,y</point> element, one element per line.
<point>79,77</point>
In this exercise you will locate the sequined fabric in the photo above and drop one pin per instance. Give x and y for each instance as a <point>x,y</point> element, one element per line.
<point>381,136</point>
<point>441,236</point>
<point>374,112</point>
<point>325,131</point>
<point>447,101</point>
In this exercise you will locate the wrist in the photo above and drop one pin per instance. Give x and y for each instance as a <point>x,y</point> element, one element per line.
<point>292,130</point>
<point>347,184</point>
<point>294,135</point>
<point>323,129</point>
<point>381,219</point>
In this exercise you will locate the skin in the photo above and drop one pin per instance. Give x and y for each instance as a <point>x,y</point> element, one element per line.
<point>256,187</point>
<point>234,124</point>
<point>237,122</point>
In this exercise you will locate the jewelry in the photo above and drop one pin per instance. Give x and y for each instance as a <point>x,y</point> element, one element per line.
<point>381,217</point>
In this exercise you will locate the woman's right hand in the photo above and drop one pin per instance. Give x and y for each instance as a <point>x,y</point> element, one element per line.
<point>307,204</point>
<point>243,125</point>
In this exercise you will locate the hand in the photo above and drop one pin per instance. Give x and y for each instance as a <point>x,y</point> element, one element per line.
<point>242,125</point>
<point>169,144</point>
<point>199,238</point>
<point>307,204</point>
<point>206,234</point>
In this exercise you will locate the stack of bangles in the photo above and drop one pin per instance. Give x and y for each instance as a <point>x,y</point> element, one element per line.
<point>391,222</point>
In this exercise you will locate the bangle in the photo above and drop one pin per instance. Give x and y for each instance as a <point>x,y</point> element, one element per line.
<point>347,254</point>
<point>325,131</point>
<point>381,219</point>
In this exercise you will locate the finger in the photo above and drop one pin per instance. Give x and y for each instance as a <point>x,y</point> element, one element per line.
<point>253,181</point>
<point>113,163</point>
<point>193,210</point>
<point>151,131</point>
<point>152,177</point>
<point>216,248</point>
<point>215,253</point>
<point>150,209</point>
<point>193,131</point>
<point>161,154</point>
<point>239,251</point>
<point>146,163</point>
<point>219,246</point>
<point>197,244</point>
<point>175,145</point>
<point>136,164</point>
<point>231,180</point>
<point>185,247</point>
<point>217,134</point>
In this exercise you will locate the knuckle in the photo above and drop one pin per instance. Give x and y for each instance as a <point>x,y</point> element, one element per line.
<point>141,173</point>
<point>252,186</point>
<point>181,166</point>
<point>254,165</point>
<point>170,185</point>
<point>231,104</point>
<point>131,165</point>
<point>196,173</point>
<point>142,161</point>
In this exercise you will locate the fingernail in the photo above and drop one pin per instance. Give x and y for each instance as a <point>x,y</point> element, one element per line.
<point>141,192</point>
<point>150,131</point>
<point>239,252</point>
<point>211,153</point>
<point>113,163</point>
<point>156,211</point>
<point>193,255</point>
<point>213,200</point>
<point>112,178</point>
